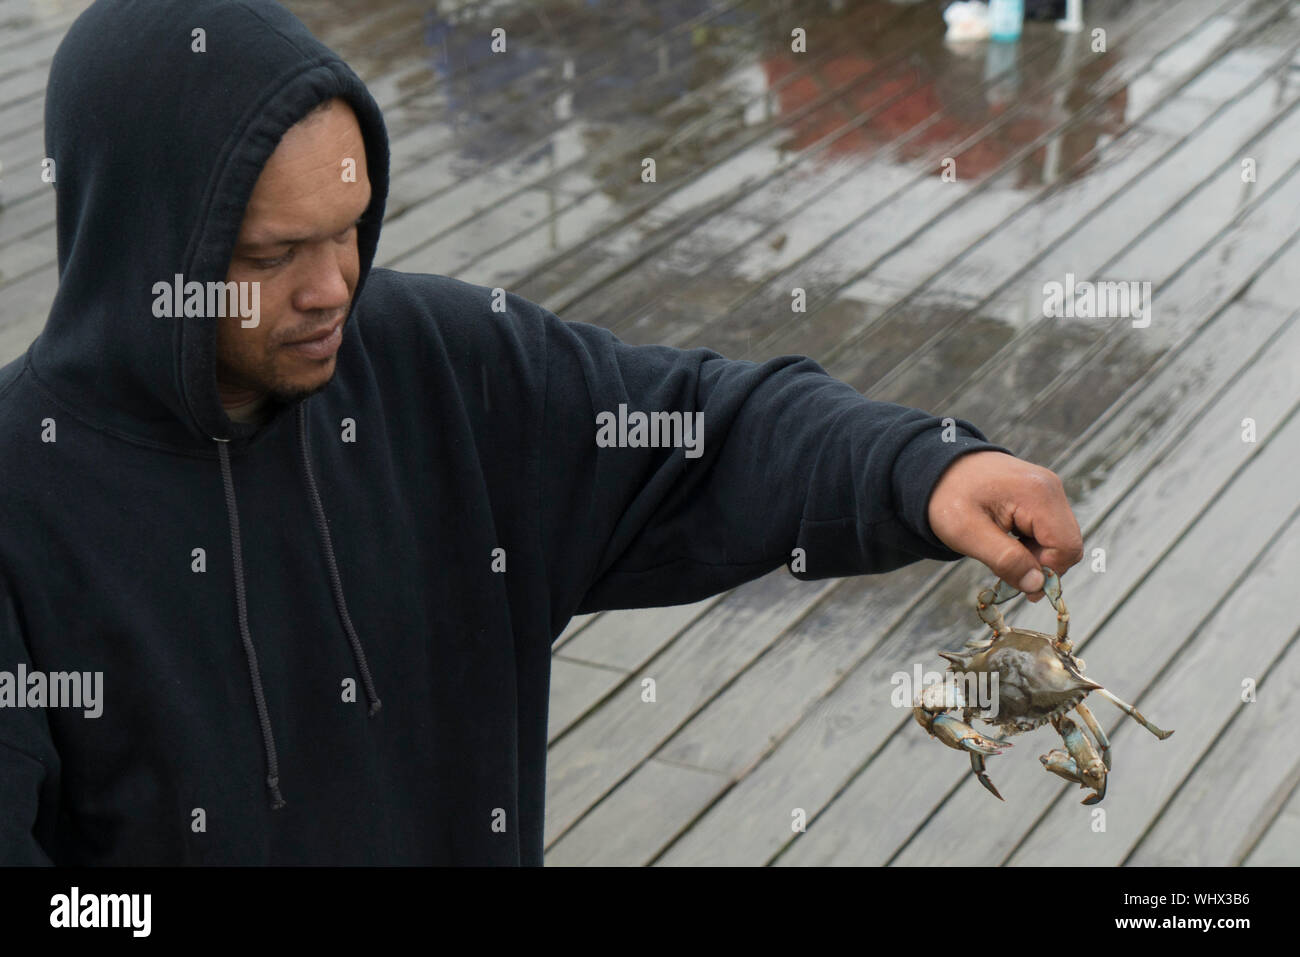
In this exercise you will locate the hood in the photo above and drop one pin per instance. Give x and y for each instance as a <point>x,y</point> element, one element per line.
<point>157,145</point>
<point>159,116</point>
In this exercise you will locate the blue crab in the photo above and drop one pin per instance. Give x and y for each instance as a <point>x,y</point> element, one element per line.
<point>1038,680</point>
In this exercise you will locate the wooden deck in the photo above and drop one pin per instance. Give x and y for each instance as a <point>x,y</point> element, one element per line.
<point>820,170</point>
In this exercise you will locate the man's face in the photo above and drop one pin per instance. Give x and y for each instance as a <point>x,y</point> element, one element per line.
<point>299,241</point>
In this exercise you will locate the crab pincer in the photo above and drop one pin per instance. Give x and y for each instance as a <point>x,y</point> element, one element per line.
<point>962,737</point>
<point>1084,764</point>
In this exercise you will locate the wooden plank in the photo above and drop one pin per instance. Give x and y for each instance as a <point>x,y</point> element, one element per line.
<point>33,56</point>
<point>1254,761</point>
<point>22,155</point>
<point>22,115</point>
<point>22,87</point>
<point>575,625</point>
<point>604,839</point>
<point>575,685</point>
<point>1280,844</point>
<point>27,254</point>
<point>787,684</point>
<point>24,26</point>
<point>26,305</point>
<point>609,744</point>
<point>626,639</point>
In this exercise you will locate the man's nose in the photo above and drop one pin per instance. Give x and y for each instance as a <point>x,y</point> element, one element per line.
<point>325,286</point>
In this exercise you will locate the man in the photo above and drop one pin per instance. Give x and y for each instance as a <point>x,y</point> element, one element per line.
<point>261,511</point>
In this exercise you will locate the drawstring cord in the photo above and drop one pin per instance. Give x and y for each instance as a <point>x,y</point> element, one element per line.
<point>337,584</point>
<point>237,556</point>
<point>241,603</point>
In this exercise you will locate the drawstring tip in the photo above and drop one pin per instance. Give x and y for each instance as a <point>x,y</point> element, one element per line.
<point>277,801</point>
<point>375,706</point>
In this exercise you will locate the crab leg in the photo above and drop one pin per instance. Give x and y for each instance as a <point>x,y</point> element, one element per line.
<point>1052,589</point>
<point>991,597</point>
<point>1133,713</point>
<point>1102,741</point>
<point>986,604</point>
<point>1089,768</point>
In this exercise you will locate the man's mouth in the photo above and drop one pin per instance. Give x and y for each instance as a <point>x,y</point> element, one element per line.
<point>321,344</point>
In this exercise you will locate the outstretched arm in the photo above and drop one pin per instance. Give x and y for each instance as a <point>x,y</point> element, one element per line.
<point>790,466</point>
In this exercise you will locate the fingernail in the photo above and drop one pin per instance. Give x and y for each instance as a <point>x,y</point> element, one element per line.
<point>1032,582</point>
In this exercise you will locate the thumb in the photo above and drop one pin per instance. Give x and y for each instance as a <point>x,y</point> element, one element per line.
<point>1007,557</point>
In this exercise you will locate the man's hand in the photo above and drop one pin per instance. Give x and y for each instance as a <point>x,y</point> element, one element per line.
<point>983,496</point>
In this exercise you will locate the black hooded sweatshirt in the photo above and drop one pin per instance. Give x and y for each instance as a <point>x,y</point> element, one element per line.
<point>420,530</point>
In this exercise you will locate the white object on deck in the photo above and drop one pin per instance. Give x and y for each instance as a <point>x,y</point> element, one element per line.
<point>1073,21</point>
<point>967,21</point>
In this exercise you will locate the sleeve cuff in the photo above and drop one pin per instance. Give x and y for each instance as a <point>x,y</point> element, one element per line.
<point>919,467</point>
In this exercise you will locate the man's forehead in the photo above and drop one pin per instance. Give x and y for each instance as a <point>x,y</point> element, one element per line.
<point>330,140</point>
<point>314,184</point>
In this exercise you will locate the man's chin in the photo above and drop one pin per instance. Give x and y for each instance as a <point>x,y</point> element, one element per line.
<point>290,393</point>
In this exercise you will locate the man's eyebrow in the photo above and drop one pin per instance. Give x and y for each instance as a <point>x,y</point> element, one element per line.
<point>259,241</point>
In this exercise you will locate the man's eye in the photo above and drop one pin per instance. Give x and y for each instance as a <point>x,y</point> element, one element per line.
<point>271,263</point>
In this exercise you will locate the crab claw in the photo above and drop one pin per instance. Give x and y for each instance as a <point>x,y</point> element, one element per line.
<point>963,737</point>
<point>1060,763</point>
<point>1082,764</point>
<point>977,766</point>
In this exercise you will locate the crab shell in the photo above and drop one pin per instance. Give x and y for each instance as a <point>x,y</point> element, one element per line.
<point>1036,681</point>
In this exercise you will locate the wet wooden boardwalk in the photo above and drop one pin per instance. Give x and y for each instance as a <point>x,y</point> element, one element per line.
<point>1173,157</point>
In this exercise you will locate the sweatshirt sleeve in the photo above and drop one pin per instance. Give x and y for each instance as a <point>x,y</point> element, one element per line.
<point>29,765</point>
<point>785,458</point>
